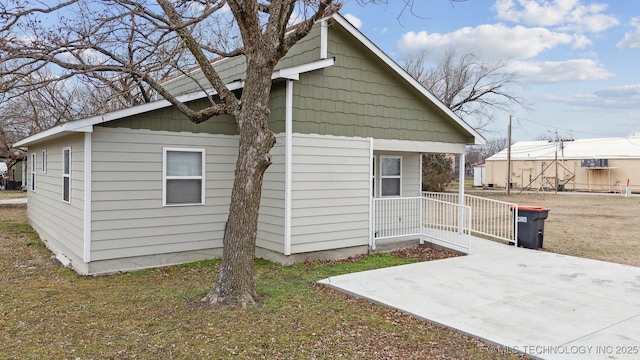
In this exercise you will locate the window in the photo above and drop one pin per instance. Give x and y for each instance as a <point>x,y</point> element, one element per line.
<point>44,161</point>
<point>66,174</point>
<point>390,175</point>
<point>183,177</point>
<point>33,172</point>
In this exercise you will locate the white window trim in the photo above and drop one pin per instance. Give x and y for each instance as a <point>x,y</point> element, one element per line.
<point>67,175</point>
<point>382,176</point>
<point>32,179</point>
<point>44,161</point>
<point>165,177</point>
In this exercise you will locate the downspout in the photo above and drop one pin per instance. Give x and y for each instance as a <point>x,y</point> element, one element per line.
<point>86,255</point>
<point>372,238</point>
<point>288,162</point>
<point>422,201</point>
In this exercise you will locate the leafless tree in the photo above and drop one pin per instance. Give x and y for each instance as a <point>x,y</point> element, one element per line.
<point>163,37</point>
<point>466,84</point>
<point>476,154</point>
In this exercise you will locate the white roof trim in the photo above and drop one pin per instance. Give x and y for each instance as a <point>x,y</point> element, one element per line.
<point>86,124</point>
<point>293,73</point>
<point>417,146</point>
<point>479,139</point>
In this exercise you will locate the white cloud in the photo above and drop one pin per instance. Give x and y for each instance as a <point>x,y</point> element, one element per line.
<point>624,91</point>
<point>622,99</point>
<point>496,40</point>
<point>564,14</point>
<point>88,56</point>
<point>560,71</point>
<point>354,20</point>
<point>631,39</point>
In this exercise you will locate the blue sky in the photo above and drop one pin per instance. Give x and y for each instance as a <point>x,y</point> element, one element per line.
<point>579,60</point>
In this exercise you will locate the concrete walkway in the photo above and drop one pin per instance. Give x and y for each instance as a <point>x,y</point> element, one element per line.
<point>14,201</point>
<point>546,305</point>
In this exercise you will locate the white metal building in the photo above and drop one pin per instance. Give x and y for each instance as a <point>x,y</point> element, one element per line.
<point>597,165</point>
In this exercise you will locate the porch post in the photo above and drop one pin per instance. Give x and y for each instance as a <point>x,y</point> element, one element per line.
<point>461,170</point>
<point>461,166</point>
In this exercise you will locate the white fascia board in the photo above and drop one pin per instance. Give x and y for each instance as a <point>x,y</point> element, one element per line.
<point>293,73</point>
<point>418,146</point>
<point>479,139</point>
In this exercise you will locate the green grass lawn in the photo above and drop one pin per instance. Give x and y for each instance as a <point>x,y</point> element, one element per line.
<point>49,312</point>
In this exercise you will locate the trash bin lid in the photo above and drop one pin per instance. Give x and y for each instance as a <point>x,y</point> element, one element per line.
<point>528,208</point>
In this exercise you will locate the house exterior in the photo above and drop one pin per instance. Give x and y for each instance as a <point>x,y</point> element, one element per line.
<point>143,186</point>
<point>594,165</point>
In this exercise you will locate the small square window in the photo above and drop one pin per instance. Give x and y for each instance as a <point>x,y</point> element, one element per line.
<point>183,177</point>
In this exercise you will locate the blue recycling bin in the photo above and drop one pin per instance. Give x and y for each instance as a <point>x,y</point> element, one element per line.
<point>530,224</point>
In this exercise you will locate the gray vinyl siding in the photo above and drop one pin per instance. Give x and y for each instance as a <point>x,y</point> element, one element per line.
<point>59,223</point>
<point>128,216</point>
<point>271,220</point>
<point>330,193</point>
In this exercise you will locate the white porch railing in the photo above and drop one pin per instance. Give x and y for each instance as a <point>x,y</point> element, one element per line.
<point>445,223</point>
<point>491,218</point>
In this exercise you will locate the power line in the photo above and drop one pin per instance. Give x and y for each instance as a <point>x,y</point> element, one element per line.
<point>560,128</point>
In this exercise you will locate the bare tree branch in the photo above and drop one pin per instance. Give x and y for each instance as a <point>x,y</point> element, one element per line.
<point>470,87</point>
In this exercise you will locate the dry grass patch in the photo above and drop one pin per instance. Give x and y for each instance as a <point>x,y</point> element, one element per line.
<point>594,226</point>
<point>12,194</point>
<point>49,312</point>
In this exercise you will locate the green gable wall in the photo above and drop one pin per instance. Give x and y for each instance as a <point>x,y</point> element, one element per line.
<point>171,119</point>
<point>361,96</point>
<point>232,69</point>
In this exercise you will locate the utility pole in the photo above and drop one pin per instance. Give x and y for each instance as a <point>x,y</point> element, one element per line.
<point>555,188</point>
<point>509,157</point>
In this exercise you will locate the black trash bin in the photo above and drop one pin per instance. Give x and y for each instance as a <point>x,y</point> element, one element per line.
<point>530,223</point>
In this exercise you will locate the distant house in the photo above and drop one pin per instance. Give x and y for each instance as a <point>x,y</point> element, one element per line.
<point>596,165</point>
<point>143,186</point>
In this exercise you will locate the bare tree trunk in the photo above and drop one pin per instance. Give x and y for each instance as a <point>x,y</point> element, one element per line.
<point>235,283</point>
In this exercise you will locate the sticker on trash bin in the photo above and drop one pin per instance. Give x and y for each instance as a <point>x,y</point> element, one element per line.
<point>522,219</point>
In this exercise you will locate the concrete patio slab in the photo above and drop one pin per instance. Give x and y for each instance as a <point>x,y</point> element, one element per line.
<point>546,305</point>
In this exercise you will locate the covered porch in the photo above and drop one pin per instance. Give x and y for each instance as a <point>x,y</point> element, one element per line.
<point>400,210</point>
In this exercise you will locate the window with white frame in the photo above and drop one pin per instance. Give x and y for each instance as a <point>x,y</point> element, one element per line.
<point>390,175</point>
<point>33,172</point>
<point>44,161</point>
<point>66,174</point>
<point>183,176</point>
